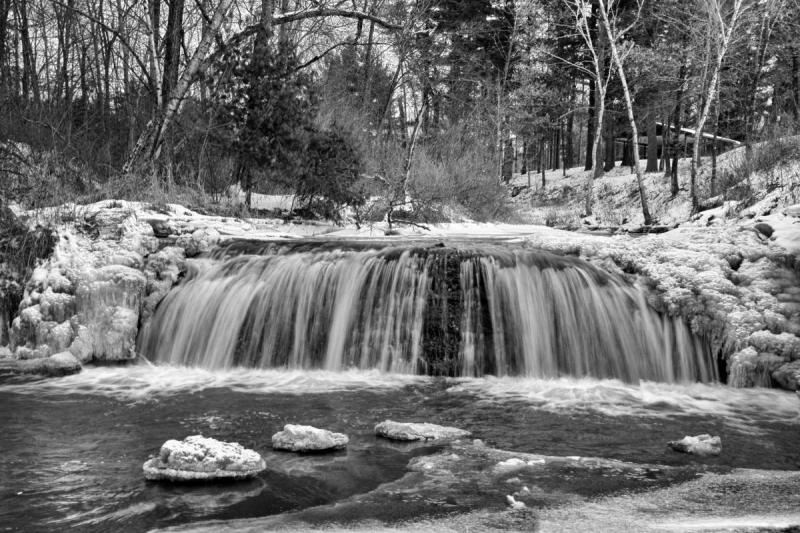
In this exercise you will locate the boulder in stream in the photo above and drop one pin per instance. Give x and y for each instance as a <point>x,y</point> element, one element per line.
<point>417,431</point>
<point>703,445</point>
<point>296,438</point>
<point>197,458</point>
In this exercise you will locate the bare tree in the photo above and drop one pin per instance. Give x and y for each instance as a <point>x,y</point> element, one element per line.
<point>723,18</point>
<point>585,13</point>
<point>615,36</point>
<point>148,147</point>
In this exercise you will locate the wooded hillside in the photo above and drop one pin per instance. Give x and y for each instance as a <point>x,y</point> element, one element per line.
<point>419,102</point>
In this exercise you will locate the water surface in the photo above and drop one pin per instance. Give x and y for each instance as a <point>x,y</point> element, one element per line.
<point>71,449</point>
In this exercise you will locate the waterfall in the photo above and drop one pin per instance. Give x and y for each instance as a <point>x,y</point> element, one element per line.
<point>428,310</point>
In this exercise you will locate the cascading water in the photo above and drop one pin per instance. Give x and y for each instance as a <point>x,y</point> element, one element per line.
<point>435,310</point>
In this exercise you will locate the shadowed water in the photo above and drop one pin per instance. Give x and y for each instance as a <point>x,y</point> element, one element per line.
<point>418,310</point>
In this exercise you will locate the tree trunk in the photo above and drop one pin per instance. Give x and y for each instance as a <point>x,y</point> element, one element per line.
<point>390,95</point>
<point>676,148</point>
<point>149,143</point>
<point>763,40</point>
<point>569,151</point>
<point>709,98</point>
<point>5,9</point>
<point>283,35</point>
<point>154,12</point>
<point>173,37</point>
<point>629,105</point>
<point>597,135</point>
<point>652,142</point>
<point>666,139</point>
<point>563,150</point>
<point>610,157</point>
<point>65,45</point>
<point>556,148</point>
<point>508,160</point>
<point>30,79</point>
<point>591,127</point>
<point>542,161</point>
<point>366,90</point>
<point>591,145</point>
<point>403,189</point>
<point>627,153</point>
<point>796,82</point>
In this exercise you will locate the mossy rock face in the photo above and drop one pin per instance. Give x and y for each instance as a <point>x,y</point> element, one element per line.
<point>442,326</point>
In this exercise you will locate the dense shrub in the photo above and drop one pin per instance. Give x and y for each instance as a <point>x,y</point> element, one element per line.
<point>455,167</point>
<point>330,176</point>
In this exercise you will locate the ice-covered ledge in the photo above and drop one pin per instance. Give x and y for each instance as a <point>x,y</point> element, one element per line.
<point>734,280</point>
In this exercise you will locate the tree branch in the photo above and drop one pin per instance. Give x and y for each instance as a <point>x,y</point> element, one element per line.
<point>331,12</point>
<point>107,28</point>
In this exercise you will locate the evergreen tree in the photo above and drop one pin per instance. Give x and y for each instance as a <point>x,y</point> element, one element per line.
<point>267,109</point>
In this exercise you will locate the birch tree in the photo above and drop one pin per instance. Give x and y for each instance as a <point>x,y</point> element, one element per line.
<point>615,36</point>
<point>723,17</point>
<point>584,12</point>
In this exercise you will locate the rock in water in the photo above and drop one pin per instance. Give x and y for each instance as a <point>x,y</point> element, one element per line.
<point>700,445</point>
<point>764,228</point>
<point>199,458</point>
<point>414,431</point>
<point>515,504</point>
<point>296,438</point>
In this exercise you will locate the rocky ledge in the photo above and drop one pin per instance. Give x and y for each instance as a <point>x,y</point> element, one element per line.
<point>197,458</point>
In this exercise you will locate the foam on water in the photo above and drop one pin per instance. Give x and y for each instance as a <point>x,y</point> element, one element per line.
<point>741,408</point>
<point>141,382</point>
<point>738,407</point>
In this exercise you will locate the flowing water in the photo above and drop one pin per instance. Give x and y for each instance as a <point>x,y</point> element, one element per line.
<point>435,310</point>
<point>531,352</point>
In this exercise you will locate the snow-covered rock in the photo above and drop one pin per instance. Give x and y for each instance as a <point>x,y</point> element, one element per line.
<point>297,438</point>
<point>412,431</point>
<point>703,445</point>
<point>59,337</point>
<point>82,346</point>
<point>514,503</point>
<point>56,306</point>
<point>200,241</point>
<point>199,458</point>
<point>163,269</point>
<point>748,368</point>
<point>60,364</point>
<point>788,375</point>
<point>783,344</point>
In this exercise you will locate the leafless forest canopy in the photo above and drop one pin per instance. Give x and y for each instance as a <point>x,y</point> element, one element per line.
<point>336,101</point>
